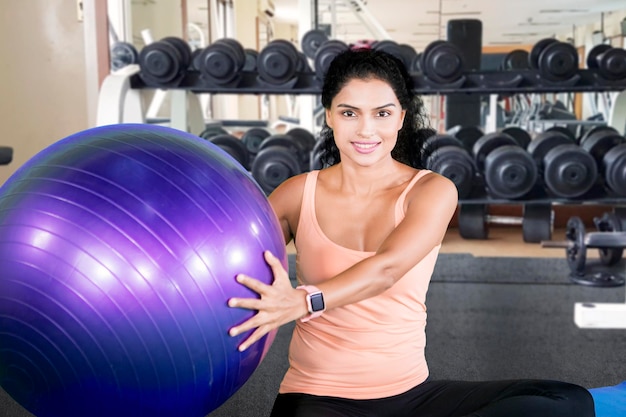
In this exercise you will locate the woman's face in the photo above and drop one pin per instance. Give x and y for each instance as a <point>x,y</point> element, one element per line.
<point>365,117</point>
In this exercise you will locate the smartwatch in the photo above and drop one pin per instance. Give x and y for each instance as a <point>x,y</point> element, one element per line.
<point>314,302</point>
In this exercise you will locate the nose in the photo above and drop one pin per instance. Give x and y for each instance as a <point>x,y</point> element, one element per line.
<point>366,128</point>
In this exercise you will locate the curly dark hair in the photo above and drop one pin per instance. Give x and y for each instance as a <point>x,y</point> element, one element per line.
<point>370,63</point>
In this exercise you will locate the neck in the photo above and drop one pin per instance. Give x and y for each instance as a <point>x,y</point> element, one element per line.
<point>366,180</point>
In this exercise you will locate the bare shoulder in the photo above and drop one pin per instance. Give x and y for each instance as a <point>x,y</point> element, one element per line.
<point>433,187</point>
<point>287,197</point>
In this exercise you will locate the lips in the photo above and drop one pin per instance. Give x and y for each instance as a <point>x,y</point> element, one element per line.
<point>365,147</point>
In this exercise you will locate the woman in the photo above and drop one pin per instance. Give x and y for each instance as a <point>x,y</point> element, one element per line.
<point>367,231</point>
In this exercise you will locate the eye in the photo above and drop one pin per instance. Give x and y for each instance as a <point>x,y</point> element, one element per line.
<point>348,113</point>
<point>383,113</point>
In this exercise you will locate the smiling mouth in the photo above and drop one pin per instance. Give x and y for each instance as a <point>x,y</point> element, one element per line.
<point>365,146</point>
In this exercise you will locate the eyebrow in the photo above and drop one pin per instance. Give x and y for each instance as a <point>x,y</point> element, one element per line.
<point>376,108</point>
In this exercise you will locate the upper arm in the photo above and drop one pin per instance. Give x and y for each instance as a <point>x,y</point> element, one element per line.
<point>431,203</point>
<point>286,200</point>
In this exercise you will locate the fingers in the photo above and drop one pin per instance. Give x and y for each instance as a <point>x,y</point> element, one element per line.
<point>254,337</point>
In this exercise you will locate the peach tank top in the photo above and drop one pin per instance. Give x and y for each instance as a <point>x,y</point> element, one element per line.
<point>370,349</point>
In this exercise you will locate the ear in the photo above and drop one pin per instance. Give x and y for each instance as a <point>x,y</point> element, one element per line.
<point>329,121</point>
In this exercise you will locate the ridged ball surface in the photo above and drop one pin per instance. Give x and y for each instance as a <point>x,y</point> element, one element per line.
<point>119,248</point>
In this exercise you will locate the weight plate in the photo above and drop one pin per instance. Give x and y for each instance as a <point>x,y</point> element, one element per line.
<point>456,164</point>
<point>558,61</point>
<point>595,130</point>
<point>122,55</point>
<point>592,56</point>
<point>442,62</point>
<point>219,62</point>
<point>517,59</point>
<point>609,222</point>
<point>238,49</point>
<point>396,50</point>
<point>325,54</point>
<point>535,52</point>
<point>537,222</point>
<point>409,54</point>
<point>234,146</point>
<point>468,135</point>
<point>160,63</point>
<point>569,171</point>
<point>614,163</point>
<point>293,146</point>
<point>278,62</point>
<point>488,143</point>
<point>564,130</point>
<point>305,137</point>
<point>211,131</point>
<point>431,144</point>
<point>612,64</point>
<point>272,166</point>
<point>600,142</point>
<point>183,49</point>
<point>510,172</point>
<point>311,42</point>
<point>543,142</point>
<point>576,252</point>
<point>521,136</point>
<point>253,138</point>
<point>472,221</point>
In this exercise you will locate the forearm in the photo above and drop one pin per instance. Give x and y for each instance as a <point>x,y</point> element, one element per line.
<point>368,278</point>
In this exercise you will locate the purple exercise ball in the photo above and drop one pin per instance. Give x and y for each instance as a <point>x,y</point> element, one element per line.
<point>119,247</point>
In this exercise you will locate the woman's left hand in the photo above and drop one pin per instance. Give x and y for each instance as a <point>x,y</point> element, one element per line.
<point>278,304</point>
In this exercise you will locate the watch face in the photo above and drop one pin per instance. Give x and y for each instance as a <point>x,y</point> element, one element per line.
<point>317,302</point>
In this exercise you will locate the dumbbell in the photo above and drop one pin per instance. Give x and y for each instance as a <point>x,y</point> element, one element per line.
<point>610,62</point>
<point>608,148</point>
<point>595,129</point>
<point>609,222</point>
<point>6,155</point>
<point>537,221</point>
<point>233,146</point>
<point>442,62</point>
<point>221,62</point>
<point>576,244</point>
<point>280,157</point>
<point>123,54</point>
<point>447,156</point>
<point>521,136</point>
<point>566,170</point>
<point>508,169</point>
<point>556,61</point>
<point>324,55</point>
<point>468,135</point>
<point>164,62</point>
<point>403,52</point>
<point>253,138</point>
<point>517,59</point>
<point>311,41</point>
<point>278,62</point>
<point>212,130</point>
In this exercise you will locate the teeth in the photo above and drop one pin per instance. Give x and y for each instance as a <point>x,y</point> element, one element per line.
<point>364,145</point>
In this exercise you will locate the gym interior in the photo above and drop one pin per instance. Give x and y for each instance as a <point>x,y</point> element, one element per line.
<point>528,107</point>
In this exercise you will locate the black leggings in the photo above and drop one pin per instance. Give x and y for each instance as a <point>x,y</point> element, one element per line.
<point>518,398</point>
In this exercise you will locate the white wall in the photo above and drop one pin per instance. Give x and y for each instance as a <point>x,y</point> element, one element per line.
<point>42,76</point>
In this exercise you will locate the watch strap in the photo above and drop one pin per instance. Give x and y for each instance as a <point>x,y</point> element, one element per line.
<point>311,290</point>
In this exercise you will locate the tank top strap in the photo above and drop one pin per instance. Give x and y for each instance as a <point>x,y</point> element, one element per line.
<point>399,210</point>
<point>307,206</point>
